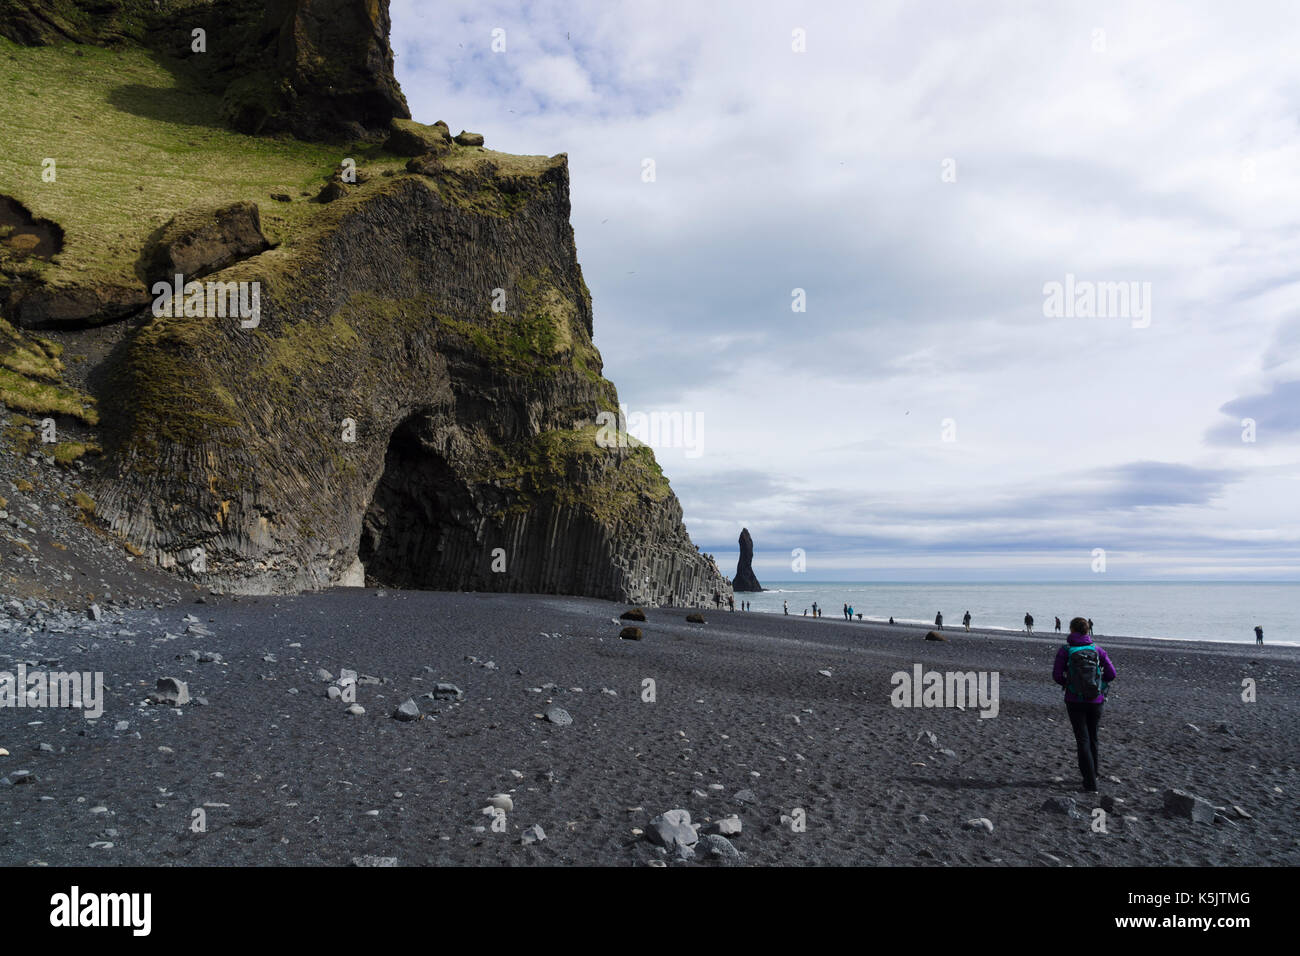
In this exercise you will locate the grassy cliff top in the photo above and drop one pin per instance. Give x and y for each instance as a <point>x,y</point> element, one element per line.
<point>135,142</point>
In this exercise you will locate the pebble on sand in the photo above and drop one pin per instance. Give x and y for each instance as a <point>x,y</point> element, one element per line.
<point>979,823</point>
<point>558,716</point>
<point>534,834</point>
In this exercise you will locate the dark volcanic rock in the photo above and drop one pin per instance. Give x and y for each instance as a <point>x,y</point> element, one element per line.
<point>935,636</point>
<point>694,618</point>
<point>471,462</point>
<point>469,139</point>
<point>409,138</point>
<point>630,634</point>
<point>198,242</point>
<point>744,579</point>
<point>320,69</point>
<point>1180,803</point>
<point>636,614</point>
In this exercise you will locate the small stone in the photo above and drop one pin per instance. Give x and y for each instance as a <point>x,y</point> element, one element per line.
<point>558,716</point>
<point>718,848</point>
<point>333,693</point>
<point>170,691</point>
<point>407,710</point>
<point>1180,803</point>
<point>371,860</point>
<point>502,801</point>
<point>631,634</point>
<point>469,139</point>
<point>672,828</point>
<point>636,614</point>
<point>979,823</point>
<point>94,613</point>
<point>745,796</point>
<point>356,710</point>
<point>323,675</point>
<point>728,826</point>
<point>1064,805</point>
<point>533,834</point>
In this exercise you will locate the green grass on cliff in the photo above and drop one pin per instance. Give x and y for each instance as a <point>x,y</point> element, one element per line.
<point>134,145</point>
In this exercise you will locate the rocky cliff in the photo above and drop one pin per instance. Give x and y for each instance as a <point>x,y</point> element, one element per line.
<point>383,369</point>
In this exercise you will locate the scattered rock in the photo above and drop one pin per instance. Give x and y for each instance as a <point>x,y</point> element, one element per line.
<point>630,634</point>
<point>323,675</point>
<point>469,139</point>
<point>636,614</point>
<point>727,826</point>
<point>719,849</point>
<point>558,716</point>
<point>935,636</point>
<point>95,613</point>
<point>1064,805</point>
<point>170,691</point>
<point>694,618</point>
<point>979,823</point>
<point>672,828</point>
<point>531,835</point>
<point>371,860</point>
<point>502,801</point>
<point>445,691</point>
<point>1188,806</point>
<point>357,710</point>
<point>407,710</point>
<point>745,796</point>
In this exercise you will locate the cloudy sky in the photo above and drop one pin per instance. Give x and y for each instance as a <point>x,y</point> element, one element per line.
<point>924,172</point>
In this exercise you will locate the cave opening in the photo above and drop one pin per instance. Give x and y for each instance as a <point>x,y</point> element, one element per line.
<point>409,533</point>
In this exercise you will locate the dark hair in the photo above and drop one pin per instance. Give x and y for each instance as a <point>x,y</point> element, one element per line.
<point>1079,625</point>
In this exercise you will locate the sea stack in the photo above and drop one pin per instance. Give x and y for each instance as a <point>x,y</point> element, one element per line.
<point>744,579</point>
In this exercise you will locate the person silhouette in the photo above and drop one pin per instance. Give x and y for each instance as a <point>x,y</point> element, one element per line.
<point>1259,634</point>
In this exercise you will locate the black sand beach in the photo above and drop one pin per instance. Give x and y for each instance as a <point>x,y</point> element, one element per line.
<point>287,776</point>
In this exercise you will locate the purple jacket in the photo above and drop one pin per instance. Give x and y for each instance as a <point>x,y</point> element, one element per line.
<point>1108,672</point>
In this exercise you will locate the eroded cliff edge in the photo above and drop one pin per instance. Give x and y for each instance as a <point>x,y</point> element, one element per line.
<point>379,413</point>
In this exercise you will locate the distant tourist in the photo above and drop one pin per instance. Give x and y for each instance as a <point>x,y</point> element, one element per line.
<point>717,599</point>
<point>845,612</point>
<point>938,620</point>
<point>785,607</point>
<point>850,612</point>
<point>1085,671</point>
<point>965,619</point>
<point>1090,627</point>
<point>1259,634</point>
<point>815,609</point>
<point>891,619</point>
<point>1058,625</point>
<point>1029,622</point>
<point>805,612</point>
<point>731,603</point>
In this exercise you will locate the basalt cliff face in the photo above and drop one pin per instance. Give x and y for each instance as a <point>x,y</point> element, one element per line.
<point>411,401</point>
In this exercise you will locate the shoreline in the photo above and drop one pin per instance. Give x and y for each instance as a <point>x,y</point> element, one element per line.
<point>1011,632</point>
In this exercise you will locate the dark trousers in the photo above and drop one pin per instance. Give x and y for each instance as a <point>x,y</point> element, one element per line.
<point>1085,718</point>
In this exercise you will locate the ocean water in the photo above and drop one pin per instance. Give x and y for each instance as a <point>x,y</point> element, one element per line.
<point>1206,611</point>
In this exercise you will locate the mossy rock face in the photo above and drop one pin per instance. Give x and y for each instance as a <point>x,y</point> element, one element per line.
<point>203,240</point>
<point>409,138</point>
<point>420,393</point>
<point>416,399</point>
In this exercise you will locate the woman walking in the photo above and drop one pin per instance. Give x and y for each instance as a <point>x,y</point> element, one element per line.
<point>1085,671</point>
